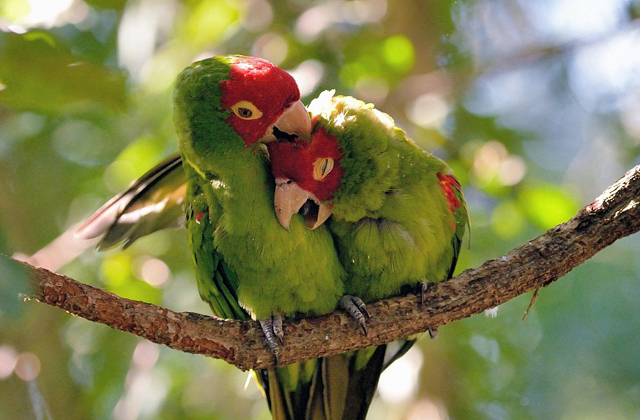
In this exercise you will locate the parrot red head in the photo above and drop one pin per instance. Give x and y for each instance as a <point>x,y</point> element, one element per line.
<point>264,101</point>
<point>307,173</point>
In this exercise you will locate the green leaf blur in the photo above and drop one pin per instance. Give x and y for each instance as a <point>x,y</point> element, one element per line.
<point>14,285</point>
<point>41,74</point>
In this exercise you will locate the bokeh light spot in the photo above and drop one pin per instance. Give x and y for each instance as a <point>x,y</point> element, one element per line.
<point>308,75</point>
<point>512,170</point>
<point>399,53</point>
<point>428,110</point>
<point>116,269</point>
<point>488,348</point>
<point>46,12</point>
<point>271,46</point>
<point>507,220</point>
<point>399,382</point>
<point>84,143</point>
<point>146,354</point>
<point>259,15</point>
<point>8,359</point>
<point>152,270</point>
<point>547,205</point>
<point>426,409</point>
<point>27,366</point>
<point>372,89</point>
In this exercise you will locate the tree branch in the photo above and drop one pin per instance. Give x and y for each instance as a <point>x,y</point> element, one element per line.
<point>537,263</point>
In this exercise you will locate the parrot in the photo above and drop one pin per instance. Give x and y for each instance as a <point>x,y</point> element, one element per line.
<point>396,212</point>
<point>246,266</point>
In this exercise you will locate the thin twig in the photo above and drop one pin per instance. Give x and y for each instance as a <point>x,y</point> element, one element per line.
<point>534,299</point>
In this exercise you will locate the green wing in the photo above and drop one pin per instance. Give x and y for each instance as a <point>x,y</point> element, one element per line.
<point>158,200</point>
<point>217,283</point>
<point>155,201</point>
<point>151,203</point>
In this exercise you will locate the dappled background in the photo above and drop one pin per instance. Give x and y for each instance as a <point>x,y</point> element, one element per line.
<point>536,106</point>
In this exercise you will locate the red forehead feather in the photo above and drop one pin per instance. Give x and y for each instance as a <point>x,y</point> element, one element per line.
<point>294,160</point>
<point>265,85</point>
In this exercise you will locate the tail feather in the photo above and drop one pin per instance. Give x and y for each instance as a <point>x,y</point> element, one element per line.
<point>316,406</point>
<point>289,389</point>
<point>363,382</point>
<point>335,373</point>
<point>275,397</point>
<point>341,387</point>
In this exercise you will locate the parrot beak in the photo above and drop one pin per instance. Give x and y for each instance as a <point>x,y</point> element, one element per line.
<point>294,122</point>
<point>290,198</point>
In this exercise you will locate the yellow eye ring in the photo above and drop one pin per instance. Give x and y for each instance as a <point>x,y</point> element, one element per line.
<point>322,167</point>
<point>246,110</point>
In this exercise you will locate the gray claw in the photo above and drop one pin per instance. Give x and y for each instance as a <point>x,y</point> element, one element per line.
<point>273,332</point>
<point>356,309</point>
<point>424,286</point>
<point>433,332</point>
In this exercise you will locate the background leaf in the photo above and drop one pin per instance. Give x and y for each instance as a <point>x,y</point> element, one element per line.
<point>39,74</point>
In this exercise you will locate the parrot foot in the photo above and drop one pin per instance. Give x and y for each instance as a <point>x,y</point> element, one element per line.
<point>356,309</point>
<point>273,332</point>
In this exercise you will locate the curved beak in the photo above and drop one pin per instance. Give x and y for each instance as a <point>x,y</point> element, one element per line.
<point>289,198</point>
<point>294,122</point>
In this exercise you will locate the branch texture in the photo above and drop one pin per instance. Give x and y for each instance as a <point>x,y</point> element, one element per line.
<point>537,263</point>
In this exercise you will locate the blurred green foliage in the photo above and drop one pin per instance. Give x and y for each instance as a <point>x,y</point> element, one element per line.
<point>41,74</point>
<point>535,105</point>
<point>14,283</point>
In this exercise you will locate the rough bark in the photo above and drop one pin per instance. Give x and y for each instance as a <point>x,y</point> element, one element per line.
<point>537,263</point>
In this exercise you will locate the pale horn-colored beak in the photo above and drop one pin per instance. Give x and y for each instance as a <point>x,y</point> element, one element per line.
<point>289,198</point>
<point>294,122</point>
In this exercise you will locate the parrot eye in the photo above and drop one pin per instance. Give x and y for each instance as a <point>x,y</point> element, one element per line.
<point>246,110</point>
<point>321,168</point>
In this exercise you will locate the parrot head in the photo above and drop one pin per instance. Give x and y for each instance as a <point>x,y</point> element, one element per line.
<point>307,174</point>
<point>221,98</point>
<point>264,101</point>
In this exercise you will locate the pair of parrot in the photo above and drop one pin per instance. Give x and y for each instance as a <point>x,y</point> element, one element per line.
<point>258,221</point>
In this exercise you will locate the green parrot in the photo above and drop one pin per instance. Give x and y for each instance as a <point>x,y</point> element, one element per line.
<point>246,265</point>
<point>396,212</point>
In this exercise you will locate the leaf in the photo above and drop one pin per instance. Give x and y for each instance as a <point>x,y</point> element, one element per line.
<point>40,74</point>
